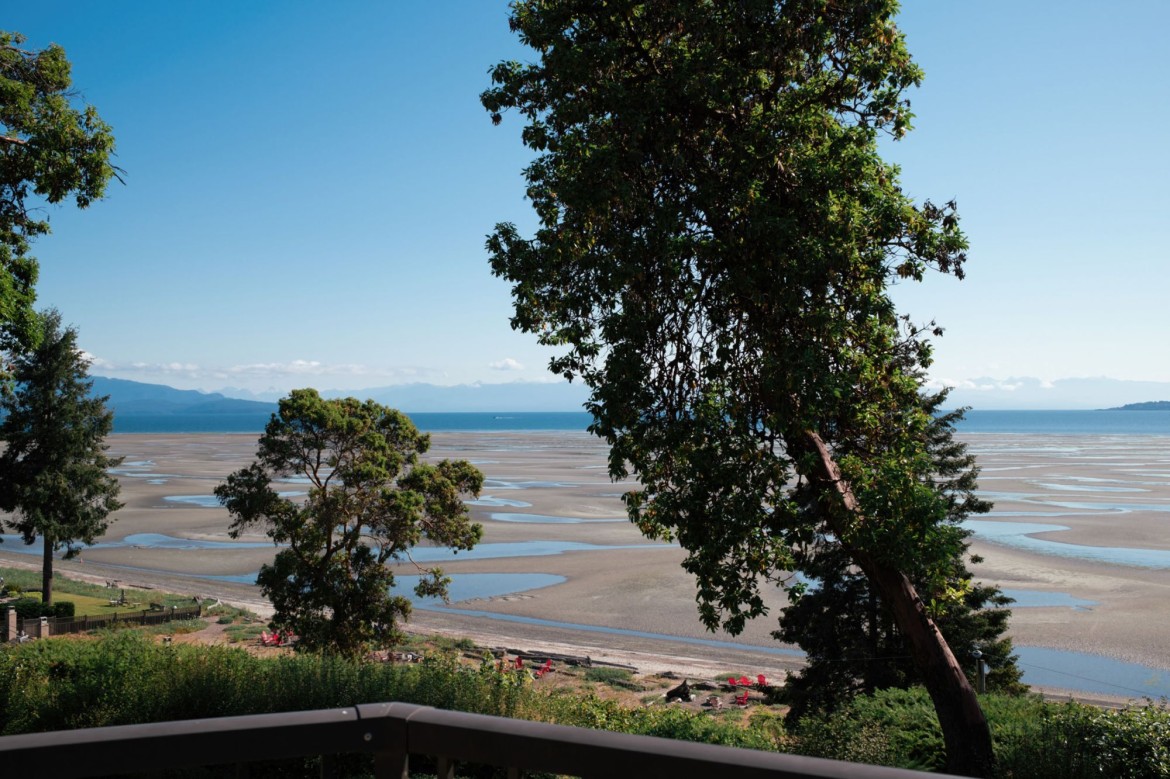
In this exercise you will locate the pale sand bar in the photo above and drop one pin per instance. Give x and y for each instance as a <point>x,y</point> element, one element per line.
<point>564,475</point>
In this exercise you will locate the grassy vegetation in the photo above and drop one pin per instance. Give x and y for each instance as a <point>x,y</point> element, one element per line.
<point>125,676</point>
<point>88,599</point>
<point>618,678</point>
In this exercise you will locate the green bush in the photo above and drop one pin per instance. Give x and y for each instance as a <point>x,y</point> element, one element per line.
<point>840,736</point>
<point>1032,738</point>
<point>25,608</point>
<point>1134,742</point>
<point>63,608</point>
<point>32,608</point>
<point>915,739</point>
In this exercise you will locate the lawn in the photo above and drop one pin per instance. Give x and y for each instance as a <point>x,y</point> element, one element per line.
<point>89,599</point>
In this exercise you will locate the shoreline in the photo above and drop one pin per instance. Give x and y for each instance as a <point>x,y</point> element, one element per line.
<point>559,474</point>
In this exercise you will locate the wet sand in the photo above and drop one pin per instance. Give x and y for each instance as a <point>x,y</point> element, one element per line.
<point>1108,492</point>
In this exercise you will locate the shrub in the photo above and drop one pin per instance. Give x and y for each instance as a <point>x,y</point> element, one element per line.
<point>1131,743</point>
<point>614,677</point>
<point>32,608</point>
<point>63,608</point>
<point>839,736</point>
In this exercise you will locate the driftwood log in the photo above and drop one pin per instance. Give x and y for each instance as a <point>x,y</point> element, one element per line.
<point>680,693</point>
<point>578,660</point>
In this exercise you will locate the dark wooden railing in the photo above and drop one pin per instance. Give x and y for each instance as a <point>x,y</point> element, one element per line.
<point>392,732</point>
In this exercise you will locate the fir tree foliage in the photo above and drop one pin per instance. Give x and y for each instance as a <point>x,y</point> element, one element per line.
<point>370,500</point>
<point>54,470</point>
<point>51,149</point>
<point>852,643</point>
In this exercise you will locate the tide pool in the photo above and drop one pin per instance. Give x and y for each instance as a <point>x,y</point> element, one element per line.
<point>212,502</point>
<point>435,554</point>
<point>545,519</point>
<point>1091,673</point>
<point>1019,535</point>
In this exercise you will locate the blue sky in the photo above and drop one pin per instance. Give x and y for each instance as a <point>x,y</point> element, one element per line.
<point>308,187</point>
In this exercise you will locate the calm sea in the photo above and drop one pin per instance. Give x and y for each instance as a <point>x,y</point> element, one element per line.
<point>1062,422</point>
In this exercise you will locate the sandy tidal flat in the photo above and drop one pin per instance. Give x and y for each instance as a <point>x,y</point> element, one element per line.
<point>605,588</point>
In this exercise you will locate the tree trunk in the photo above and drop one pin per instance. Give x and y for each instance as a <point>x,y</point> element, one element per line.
<point>965,729</point>
<point>47,570</point>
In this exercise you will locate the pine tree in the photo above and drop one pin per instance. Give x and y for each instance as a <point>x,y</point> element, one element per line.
<point>54,471</point>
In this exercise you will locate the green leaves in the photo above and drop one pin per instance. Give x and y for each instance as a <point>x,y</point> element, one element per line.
<point>717,235</point>
<point>370,500</point>
<point>50,150</point>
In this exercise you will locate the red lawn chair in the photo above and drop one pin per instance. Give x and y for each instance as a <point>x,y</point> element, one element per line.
<point>743,681</point>
<point>742,700</point>
<point>542,670</point>
<point>761,681</point>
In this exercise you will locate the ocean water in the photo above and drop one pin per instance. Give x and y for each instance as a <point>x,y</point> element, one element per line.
<point>1067,422</point>
<point>429,422</point>
<point>1062,422</point>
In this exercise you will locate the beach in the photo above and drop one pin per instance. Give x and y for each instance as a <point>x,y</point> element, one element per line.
<point>561,568</point>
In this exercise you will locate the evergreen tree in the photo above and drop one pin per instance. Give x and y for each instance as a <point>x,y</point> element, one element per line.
<point>54,471</point>
<point>853,644</point>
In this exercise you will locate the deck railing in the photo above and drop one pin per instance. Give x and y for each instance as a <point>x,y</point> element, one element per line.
<point>392,732</point>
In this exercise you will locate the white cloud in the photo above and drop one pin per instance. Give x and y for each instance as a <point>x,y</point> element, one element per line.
<point>506,364</point>
<point>93,361</point>
<point>298,368</point>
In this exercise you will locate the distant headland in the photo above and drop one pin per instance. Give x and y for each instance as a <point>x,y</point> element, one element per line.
<point>1150,405</point>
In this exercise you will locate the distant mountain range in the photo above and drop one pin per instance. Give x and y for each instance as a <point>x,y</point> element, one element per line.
<point>132,398</point>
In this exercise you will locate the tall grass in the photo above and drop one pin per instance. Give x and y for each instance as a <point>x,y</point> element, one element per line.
<point>124,677</point>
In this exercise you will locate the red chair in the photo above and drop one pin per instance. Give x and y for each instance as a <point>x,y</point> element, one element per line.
<point>731,681</point>
<point>761,681</point>
<point>544,668</point>
<point>742,700</point>
<point>743,681</point>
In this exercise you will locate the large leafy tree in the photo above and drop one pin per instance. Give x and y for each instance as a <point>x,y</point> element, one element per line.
<point>717,234</point>
<point>852,644</point>
<point>50,150</point>
<point>370,501</point>
<point>54,471</point>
